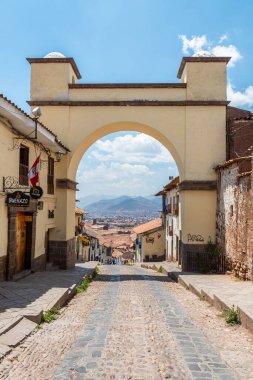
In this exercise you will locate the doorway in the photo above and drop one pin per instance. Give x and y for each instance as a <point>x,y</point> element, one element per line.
<point>23,242</point>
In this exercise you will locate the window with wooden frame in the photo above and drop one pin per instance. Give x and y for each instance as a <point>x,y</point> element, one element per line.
<point>50,176</point>
<point>23,165</point>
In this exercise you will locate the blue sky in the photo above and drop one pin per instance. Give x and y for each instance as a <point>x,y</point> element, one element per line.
<point>125,41</point>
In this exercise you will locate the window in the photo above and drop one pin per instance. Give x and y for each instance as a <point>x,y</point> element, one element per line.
<point>23,165</point>
<point>50,176</point>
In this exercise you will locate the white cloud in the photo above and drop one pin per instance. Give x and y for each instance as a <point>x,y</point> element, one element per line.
<point>107,172</point>
<point>227,51</point>
<point>200,45</point>
<point>116,179</point>
<point>224,37</point>
<point>133,164</point>
<point>196,43</point>
<point>239,98</point>
<point>139,148</point>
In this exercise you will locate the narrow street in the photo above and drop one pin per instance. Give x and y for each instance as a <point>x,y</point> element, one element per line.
<point>130,325</point>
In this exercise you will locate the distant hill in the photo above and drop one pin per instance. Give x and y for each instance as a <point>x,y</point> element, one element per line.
<point>125,205</point>
<point>84,201</point>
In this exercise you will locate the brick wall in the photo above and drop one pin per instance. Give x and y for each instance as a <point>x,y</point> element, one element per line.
<point>234,227</point>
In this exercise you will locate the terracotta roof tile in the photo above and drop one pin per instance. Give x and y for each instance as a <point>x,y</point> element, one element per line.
<point>232,161</point>
<point>80,211</point>
<point>172,184</point>
<point>151,225</point>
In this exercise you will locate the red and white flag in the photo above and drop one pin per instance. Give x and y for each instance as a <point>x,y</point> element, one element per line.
<point>33,173</point>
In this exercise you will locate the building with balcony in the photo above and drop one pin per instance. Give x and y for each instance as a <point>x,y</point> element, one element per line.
<point>171,218</point>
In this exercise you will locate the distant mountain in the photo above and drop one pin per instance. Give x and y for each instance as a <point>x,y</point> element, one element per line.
<point>84,201</point>
<point>125,205</point>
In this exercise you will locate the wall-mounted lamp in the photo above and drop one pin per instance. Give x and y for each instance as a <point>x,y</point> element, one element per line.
<point>58,156</point>
<point>36,113</point>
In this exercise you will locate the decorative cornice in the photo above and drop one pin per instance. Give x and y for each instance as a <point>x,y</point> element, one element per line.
<point>123,103</point>
<point>197,185</point>
<point>65,183</point>
<point>127,85</point>
<point>57,60</point>
<point>200,59</point>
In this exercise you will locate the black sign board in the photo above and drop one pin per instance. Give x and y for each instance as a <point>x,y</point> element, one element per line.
<point>36,192</point>
<point>18,199</point>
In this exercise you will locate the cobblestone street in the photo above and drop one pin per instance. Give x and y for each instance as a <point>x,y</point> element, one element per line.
<point>133,324</point>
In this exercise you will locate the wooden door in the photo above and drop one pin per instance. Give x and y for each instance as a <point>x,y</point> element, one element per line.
<point>20,243</point>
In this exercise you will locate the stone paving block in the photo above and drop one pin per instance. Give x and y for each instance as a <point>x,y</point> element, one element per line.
<point>202,375</point>
<point>9,323</point>
<point>4,350</point>
<point>21,330</point>
<point>33,314</point>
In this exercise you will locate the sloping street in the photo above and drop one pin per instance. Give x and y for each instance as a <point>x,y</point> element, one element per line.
<point>133,323</point>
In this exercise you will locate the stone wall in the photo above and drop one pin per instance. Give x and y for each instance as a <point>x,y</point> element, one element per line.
<point>3,260</point>
<point>234,227</point>
<point>62,253</point>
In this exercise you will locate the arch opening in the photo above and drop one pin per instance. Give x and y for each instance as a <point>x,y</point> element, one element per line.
<point>124,166</point>
<point>108,129</point>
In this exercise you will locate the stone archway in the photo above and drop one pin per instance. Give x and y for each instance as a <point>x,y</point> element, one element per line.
<point>188,118</point>
<point>119,127</point>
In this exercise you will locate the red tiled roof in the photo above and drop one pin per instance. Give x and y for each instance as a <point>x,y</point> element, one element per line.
<point>161,192</point>
<point>234,113</point>
<point>90,232</point>
<point>80,211</point>
<point>149,226</point>
<point>172,184</point>
<point>232,161</point>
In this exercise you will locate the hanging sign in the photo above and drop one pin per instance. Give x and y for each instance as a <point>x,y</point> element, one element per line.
<point>36,192</point>
<point>17,199</point>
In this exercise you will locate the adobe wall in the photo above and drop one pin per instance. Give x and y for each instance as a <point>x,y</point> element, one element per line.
<point>234,227</point>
